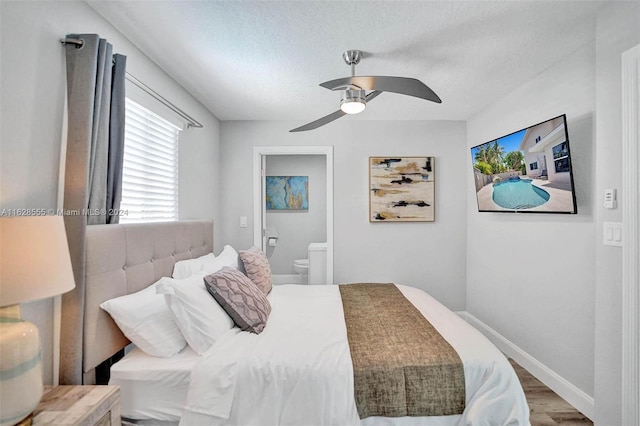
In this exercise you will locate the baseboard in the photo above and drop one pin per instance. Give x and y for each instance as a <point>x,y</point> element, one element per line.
<point>285,279</point>
<point>570,393</point>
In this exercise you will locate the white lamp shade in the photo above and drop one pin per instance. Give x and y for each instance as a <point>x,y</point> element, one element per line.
<point>34,259</point>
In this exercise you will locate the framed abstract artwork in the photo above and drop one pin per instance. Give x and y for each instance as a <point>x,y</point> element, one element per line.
<point>401,189</point>
<point>287,192</point>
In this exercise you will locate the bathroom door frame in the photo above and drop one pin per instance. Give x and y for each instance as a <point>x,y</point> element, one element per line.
<point>259,208</point>
<point>631,247</point>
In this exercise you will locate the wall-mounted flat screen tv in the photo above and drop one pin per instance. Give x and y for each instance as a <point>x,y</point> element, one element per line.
<point>528,171</point>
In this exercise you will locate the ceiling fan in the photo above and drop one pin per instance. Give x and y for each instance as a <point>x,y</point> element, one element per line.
<point>354,97</point>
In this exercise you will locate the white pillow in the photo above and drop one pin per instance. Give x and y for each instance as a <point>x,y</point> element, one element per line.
<point>186,268</point>
<point>200,318</point>
<point>147,321</point>
<point>228,257</point>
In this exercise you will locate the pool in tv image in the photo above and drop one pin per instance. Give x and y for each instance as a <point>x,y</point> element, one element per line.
<point>526,171</point>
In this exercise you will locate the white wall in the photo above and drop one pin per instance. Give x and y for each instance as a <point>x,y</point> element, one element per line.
<point>617,30</point>
<point>33,85</point>
<point>428,255</point>
<point>571,322</point>
<point>532,277</point>
<point>297,228</point>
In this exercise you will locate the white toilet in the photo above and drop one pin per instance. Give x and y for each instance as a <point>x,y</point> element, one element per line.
<point>313,269</point>
<point>301,266</point>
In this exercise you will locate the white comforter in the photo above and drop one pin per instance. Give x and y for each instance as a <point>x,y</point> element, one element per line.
<point>298,371</point>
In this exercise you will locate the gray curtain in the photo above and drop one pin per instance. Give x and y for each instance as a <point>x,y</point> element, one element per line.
<point>116,140</point>
<point>91,101</point>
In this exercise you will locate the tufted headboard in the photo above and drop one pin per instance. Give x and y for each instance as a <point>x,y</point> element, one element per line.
<point>126,258</point>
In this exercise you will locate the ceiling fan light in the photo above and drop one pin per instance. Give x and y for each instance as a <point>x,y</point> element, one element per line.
<point>353,102</point>
<point>353,106</point>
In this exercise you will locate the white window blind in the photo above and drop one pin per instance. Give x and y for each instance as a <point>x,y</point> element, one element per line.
<point>150,167</point>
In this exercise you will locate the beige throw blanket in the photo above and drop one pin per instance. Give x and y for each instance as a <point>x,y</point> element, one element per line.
<point>402,365</point>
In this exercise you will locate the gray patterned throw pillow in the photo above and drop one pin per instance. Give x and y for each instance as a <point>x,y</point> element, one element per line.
<point>257,267</point>
<point>245,303</point>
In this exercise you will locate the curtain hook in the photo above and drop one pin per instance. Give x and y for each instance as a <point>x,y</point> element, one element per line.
<point>79,43</point>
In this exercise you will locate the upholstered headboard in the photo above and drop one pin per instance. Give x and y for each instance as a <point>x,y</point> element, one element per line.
<point>126,258</point>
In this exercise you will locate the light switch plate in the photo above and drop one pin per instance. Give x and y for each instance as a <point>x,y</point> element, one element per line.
<point>612,234</point>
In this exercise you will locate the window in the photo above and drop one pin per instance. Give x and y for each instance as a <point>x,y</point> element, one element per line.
<point>150,167</point>
<point>561,150</point>
<point>538,139</point>
<point>533,166</point>
<point>562,165</point>
<point>561,157</point>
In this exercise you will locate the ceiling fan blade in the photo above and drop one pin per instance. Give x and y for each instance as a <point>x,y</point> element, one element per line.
<point>329,118</point>
<point>320,122</point>
<point>402,85</point>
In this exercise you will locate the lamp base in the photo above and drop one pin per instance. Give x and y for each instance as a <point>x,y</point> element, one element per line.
<point>20,367</point>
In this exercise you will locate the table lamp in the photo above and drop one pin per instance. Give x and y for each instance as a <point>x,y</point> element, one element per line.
<point>34,264</point>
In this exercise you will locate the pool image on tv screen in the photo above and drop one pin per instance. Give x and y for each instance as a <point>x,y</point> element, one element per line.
<point>528,171</point>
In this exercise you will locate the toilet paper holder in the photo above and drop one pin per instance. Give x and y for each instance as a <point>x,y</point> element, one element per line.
<point>272,241</point>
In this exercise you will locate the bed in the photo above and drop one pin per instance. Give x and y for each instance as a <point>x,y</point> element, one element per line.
<point>298,371</point>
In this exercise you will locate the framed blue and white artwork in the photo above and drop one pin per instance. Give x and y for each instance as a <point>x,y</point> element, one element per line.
<point>287,192</point>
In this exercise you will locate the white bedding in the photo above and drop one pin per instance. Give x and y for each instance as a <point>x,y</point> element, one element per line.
<point>153,387</point>
<point>298,370</point>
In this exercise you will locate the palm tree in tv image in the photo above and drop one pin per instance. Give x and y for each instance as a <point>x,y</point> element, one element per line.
<point>496,154</point>
<point>489,158</point>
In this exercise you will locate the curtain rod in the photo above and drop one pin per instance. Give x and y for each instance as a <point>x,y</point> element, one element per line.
<point>191,122</point>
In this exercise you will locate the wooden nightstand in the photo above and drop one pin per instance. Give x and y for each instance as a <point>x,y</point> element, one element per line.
<point>78,406</point>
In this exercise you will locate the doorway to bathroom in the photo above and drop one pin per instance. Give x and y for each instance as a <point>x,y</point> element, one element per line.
<point>292,234</point>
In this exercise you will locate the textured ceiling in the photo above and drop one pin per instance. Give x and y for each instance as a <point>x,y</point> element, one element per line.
<point>263,60</point>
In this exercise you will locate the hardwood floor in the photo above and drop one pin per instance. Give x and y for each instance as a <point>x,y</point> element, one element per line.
<point>547,408</point>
